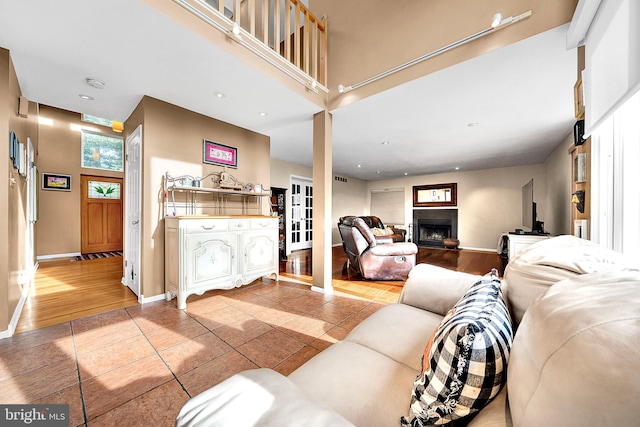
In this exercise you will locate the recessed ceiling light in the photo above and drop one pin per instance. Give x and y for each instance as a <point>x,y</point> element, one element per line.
<point>405,174</point>
<point>474,124</point>
<point>359,166</point>
<point>385,143</point>
<point>457,168</point>
<point>378,172</point>
<point>87,97</point>
<point>219,94</point>
<point>98,84</point>
<point>263,113</point>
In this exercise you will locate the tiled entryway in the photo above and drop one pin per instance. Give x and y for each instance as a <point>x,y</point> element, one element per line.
<point>138,365</point>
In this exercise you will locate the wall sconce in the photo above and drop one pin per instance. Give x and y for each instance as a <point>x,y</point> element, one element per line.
<point>578,199</point>
<point>117,126</point>
<point>23,107</point>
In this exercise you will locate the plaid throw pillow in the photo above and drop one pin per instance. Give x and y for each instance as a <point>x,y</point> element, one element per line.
<point>464,363</point>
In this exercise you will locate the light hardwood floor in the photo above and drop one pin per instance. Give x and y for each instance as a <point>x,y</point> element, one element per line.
<point>65,290</point>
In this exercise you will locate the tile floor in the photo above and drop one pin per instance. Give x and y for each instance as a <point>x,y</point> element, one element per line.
<point>138,365</point>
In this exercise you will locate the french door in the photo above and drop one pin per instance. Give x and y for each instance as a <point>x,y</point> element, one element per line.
<point>301,213</point>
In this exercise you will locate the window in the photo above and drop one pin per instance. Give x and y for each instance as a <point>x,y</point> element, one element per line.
<point>615,201</point>
<point>97,120</point>
<point>388,205</point>
<point>102,151</point>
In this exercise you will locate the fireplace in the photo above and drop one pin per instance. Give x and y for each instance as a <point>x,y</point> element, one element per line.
<point>432,226</point>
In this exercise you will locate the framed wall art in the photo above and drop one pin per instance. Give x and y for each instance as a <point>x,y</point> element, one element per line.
<point>435,195</point>
<point>219,154</point>
<point>56,181</point>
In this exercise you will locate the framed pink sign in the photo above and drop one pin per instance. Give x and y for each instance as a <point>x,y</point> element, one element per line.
<point>219,154</point>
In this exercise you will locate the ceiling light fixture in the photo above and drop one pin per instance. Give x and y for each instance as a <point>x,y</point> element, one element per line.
<point>219,94</point>
<point>313,86</point>
<point>98,84</point>
<point>385,143</point>
<point>86,97</point>
<point>497,20</point>
<point>263,114</point>
<point>234,32</point>
<point>502,23</point>
<point>474,124</point>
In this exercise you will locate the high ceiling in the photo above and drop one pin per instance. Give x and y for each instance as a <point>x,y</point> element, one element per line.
<point>520,97</point>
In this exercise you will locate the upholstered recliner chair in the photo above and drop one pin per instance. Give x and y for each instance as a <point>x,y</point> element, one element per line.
<point>376,259</point>
<point>399,235</point>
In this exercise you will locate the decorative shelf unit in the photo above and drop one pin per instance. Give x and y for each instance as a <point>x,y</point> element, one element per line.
<point>197,200</point>
<point>207,246</point>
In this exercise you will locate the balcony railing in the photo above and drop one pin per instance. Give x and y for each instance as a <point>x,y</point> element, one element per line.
<point>286,27</point>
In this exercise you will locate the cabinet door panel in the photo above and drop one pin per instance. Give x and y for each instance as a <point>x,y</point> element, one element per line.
<point>260,252</point>
<point>210,257</point>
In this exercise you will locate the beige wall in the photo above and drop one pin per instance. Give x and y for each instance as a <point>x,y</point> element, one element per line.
<point>282,171</point>
<point>368,37</point>
<point>172,141</point>
<point>5,168</point>
<point>489,201</point>
<point>349,198</point>
<point>60,151</point>
<point>15,268</point>
<point>558,191</point>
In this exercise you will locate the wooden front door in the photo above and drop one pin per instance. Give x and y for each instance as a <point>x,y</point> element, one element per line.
<point>101,209</point>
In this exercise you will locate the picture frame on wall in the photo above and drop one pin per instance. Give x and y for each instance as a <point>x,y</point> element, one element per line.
<point>214,153</point>
<point>435,195</point>
<point>56,182</point>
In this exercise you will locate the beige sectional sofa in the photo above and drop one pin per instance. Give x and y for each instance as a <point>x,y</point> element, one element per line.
<point>574,361</point>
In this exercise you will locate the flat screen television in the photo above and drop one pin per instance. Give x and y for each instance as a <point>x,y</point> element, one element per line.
<point>528,207</point>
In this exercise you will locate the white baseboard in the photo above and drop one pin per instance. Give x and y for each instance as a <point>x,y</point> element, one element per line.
<point>479,249</point>
<point>54,256</point>
<point>145,300</point>
<point>11,328</point>
<point>326,291</point>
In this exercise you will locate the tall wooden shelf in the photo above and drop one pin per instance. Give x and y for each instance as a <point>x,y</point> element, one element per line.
<point>278,206</point>
<point>581,185</point>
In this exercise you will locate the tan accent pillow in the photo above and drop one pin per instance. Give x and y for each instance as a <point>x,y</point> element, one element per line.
<point>382,231</point>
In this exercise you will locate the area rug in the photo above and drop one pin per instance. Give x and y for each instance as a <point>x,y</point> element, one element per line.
<point>97,255</point>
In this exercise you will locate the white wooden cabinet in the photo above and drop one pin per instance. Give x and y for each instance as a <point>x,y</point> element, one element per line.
<point>518,242</point>
<point>217,252</point>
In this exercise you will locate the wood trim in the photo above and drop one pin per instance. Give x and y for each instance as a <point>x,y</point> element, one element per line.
<point>296,38</point>
<point>453,187</point>
<point>287,30</point>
